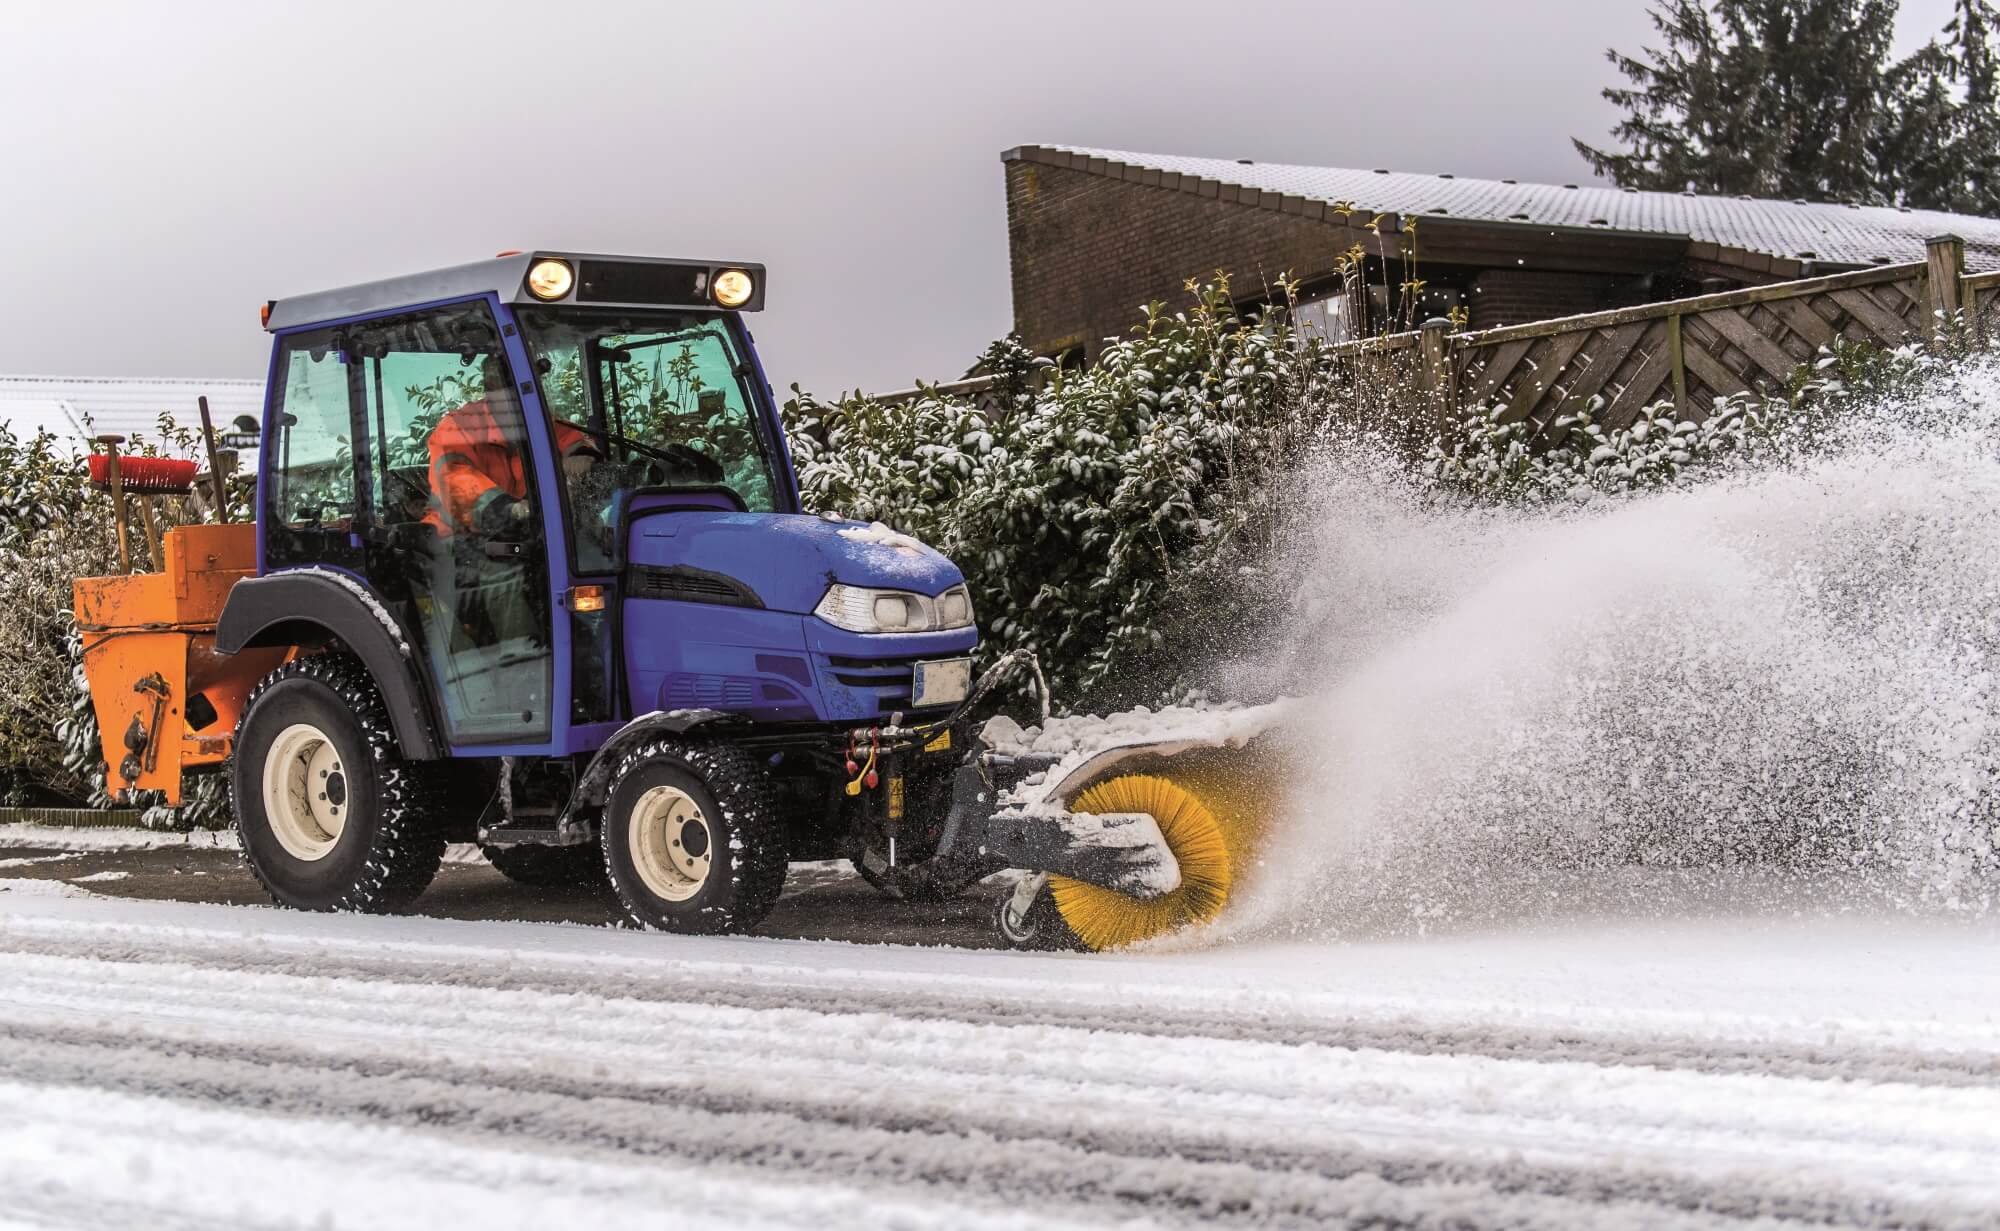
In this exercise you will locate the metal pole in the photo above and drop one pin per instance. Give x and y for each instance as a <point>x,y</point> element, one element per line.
<point>215,476</point>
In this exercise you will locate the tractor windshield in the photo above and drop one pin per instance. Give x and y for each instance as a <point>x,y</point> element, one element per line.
<point>645,399</point>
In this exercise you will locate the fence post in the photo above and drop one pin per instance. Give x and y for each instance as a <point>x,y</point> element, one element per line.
<point>1945,257</point>
<point>1435,371</point>
<point>1677,364</point>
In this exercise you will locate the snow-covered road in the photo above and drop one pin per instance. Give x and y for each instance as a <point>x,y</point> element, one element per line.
<point>174,1065</point>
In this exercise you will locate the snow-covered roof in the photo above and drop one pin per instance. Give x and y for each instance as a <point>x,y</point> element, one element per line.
<point>1825,232</point>
<point>77,408</point>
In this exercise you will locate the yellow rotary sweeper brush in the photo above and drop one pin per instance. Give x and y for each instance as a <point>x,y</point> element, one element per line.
<point>1175,825</point>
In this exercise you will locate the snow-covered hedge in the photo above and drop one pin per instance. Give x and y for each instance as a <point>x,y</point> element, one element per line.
<point>1114,520</point>
<point>1576,456</point>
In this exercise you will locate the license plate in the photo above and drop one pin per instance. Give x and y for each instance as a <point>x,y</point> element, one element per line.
<point>944,682</point>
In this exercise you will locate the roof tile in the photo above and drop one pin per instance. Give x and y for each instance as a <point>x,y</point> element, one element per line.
<point>1839,233</point>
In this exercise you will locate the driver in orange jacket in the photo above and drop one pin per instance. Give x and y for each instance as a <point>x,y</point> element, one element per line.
<point>479,459</point>
<point>479,491</point>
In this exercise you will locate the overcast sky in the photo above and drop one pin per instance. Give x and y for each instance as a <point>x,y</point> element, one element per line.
<point>166,168</point>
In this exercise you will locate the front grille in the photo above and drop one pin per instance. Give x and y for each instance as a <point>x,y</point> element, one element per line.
<point>710,692</point>
<point>895,673</point>
<point>889,680</point>
<point>680,583</point>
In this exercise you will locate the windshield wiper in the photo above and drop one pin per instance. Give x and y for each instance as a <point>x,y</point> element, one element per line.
<point>623,351</point>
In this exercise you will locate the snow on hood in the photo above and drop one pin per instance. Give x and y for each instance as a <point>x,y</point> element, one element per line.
<point>788,560</point>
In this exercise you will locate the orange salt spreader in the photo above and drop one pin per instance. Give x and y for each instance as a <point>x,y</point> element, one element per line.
<point>166,700</point>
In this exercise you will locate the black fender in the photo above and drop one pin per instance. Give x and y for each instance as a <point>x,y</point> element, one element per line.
<point>594,786</point>
<point>309,607</point>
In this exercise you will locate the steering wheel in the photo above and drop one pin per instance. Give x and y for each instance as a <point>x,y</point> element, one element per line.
<point>694,464</point>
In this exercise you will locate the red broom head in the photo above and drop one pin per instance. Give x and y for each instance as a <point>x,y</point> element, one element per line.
<point>154,476</point>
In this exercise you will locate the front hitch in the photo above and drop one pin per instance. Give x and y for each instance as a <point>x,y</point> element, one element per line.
<point>877,759</point>
<point>1123,852</point>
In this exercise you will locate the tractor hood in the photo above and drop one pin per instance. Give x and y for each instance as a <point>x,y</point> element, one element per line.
<point>784,561</point>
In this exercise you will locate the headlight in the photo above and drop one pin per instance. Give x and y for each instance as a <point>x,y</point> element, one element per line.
<point>550,279</point>
<point>859,609</point>
<point>732,288</point>
<point>895,612</point>
<point>954,608</point>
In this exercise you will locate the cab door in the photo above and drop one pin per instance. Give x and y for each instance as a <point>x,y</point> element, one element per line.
<point>443,517</point>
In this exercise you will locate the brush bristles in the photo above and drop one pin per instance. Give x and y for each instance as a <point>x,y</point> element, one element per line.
<point>146,476</point>
<point>1105,919</point>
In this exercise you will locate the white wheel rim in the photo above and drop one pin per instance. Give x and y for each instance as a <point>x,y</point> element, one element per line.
<point>672,843</point>
<point>306,794</point>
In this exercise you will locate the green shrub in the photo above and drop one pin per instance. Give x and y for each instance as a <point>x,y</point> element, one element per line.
<point>1576,456</point>
<point>1112,520</point>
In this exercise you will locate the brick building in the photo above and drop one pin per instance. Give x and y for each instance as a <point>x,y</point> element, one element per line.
<point>1094,234</point>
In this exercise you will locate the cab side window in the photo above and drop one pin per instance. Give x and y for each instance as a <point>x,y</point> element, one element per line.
<point>311,484</point>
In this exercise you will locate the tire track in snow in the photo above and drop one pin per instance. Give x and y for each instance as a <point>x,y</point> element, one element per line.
<point>206,1167</point>
<point>1119,1167</point>
<point>1833,1060</point>
<point>1114,1179</point>
<point>1224,1076</point>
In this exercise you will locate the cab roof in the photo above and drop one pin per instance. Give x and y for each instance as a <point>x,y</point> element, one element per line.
<point>610,281</point>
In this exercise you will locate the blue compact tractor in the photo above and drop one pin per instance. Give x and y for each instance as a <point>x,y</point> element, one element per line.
<point>529,568</point>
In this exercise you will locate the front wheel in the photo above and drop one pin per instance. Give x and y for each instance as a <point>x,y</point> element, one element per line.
<point>693,841</point>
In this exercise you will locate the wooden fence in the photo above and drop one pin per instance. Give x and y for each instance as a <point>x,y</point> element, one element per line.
<point>1689,350</point>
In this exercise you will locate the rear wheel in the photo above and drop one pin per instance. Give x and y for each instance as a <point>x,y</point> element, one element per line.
<point>693,840</point>
<point>330,814</point>
<point>549,867</point>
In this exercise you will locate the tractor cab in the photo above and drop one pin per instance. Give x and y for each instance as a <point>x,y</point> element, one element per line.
<point>465,445</point>
<point>564,479</point>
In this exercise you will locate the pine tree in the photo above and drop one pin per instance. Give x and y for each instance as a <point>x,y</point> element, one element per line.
<point>1773,98</point>
<point>1916,146</point>
<point>1794,98</point>
<point>1938,145</point>
<point>1976,67</point>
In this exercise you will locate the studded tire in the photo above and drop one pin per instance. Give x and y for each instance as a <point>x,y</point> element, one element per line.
<point>331,817</point>
<point>664,796</point>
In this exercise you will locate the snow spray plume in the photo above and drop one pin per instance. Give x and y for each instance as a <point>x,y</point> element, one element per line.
<point>1785,669</point>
